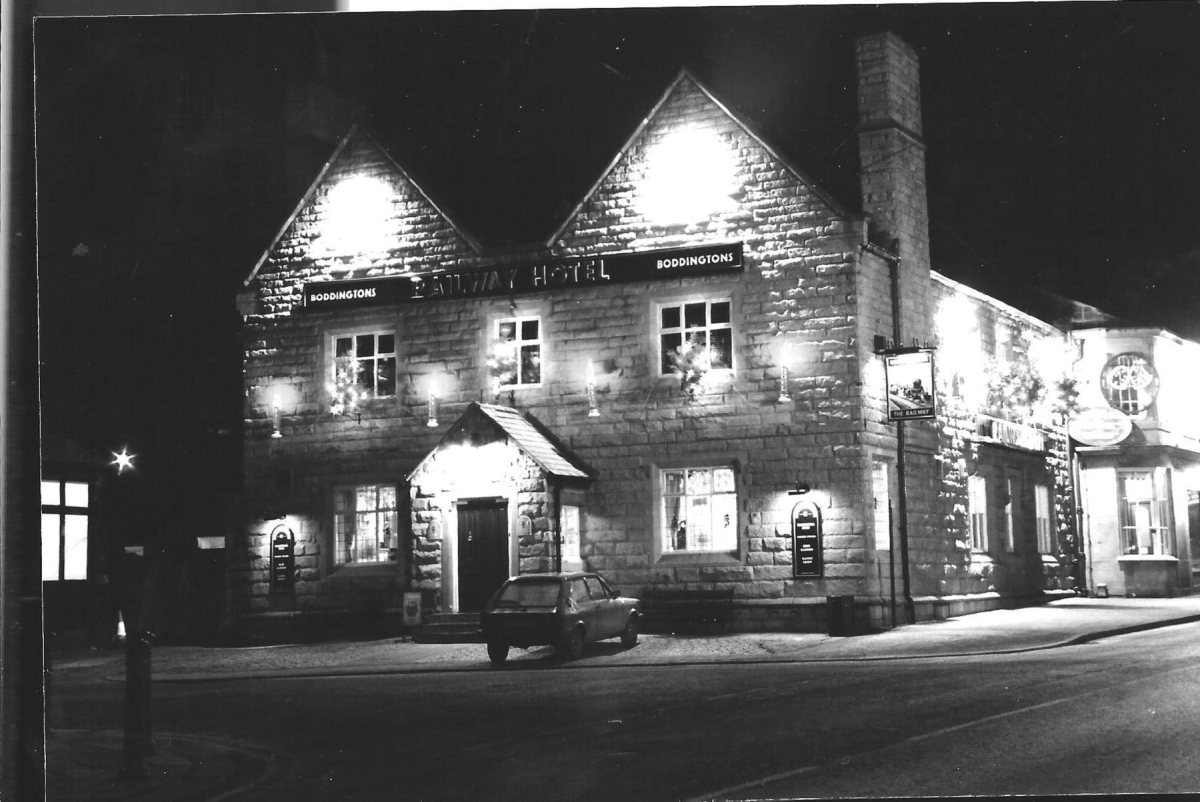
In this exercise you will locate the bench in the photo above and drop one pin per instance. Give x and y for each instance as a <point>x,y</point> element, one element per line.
<point>670,611</point>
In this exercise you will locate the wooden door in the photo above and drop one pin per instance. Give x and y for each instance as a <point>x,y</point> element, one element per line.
<point>482,552</point>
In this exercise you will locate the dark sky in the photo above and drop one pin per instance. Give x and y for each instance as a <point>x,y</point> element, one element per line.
<point>1061,153</point>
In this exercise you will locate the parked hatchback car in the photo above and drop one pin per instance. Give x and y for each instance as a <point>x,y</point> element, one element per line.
<point>567,611</point>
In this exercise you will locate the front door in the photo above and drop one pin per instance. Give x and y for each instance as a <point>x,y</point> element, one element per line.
<point>482,552</point>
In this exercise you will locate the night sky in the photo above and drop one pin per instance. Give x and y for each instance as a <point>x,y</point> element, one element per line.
<point>1061,154</point>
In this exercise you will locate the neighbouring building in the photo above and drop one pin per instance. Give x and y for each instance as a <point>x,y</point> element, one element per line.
<point>1138,459</point>
<point>713,378</point>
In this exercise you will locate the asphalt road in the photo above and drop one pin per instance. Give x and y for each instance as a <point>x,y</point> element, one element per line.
<point>1116,715</point>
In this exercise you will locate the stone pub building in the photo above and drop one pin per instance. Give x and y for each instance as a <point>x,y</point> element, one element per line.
<point>684,388</point>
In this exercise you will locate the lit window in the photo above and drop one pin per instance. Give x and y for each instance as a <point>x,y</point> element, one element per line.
<point>1144,513</point>
<point>64,530</point>
<point>365,364</point>
<point>883,506</point>
<point>365,524</point>
<point>699,510</point>
<point>1045,525</point>
<point>516,359</point>
<point>1130,383</point>
<point>977,510</point>
<point>700,330</point>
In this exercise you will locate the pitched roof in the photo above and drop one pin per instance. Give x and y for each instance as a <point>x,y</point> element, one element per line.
<point>535,442</point>
<point>355,130</point>
<point>529,435</point>
<point>686,75</point>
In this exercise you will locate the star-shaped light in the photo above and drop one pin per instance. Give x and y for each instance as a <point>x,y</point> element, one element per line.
<point>123,460</point>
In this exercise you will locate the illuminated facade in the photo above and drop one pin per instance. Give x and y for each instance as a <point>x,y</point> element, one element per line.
<point>1138,453</point>
<point>679,388</point>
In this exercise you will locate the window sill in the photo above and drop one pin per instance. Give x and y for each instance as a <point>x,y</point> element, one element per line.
<point>699,558</point>
<point>1147,558</point>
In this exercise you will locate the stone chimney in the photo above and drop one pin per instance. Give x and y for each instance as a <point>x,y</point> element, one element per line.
<point>892,166</point>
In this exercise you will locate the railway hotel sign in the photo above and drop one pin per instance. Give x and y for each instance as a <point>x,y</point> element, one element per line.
<point>588,271</point>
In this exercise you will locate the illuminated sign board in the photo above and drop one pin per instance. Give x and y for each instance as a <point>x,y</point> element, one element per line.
<point>1100,426</point>
<point>587,271</point>
<point>1014,435</point>
<point>909,380</point>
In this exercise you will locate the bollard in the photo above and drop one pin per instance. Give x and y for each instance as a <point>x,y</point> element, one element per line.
<point>137,706</point>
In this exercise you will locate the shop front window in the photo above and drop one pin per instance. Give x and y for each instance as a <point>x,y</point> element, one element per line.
<point>699,331</point>
<point>699,510</point>
<point>1144,513</point>
<point>365,521</point>
<point>64,530</point>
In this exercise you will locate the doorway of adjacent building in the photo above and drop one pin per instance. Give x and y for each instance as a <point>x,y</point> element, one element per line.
<point>482,551</point>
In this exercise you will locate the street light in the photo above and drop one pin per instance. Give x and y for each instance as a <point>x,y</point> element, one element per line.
<point>123,460</point>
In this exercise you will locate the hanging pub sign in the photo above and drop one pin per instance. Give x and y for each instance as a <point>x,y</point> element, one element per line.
<point>909,377</point>
<point>806,539</point>
<point>587,271</point>
<point>283,559</point>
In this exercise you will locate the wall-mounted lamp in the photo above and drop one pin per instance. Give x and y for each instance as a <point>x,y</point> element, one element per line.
<point>800,489</point>
<point>593,410</point>
<point>433,421</point>
<point>783,385</point>
<point>276,419</point>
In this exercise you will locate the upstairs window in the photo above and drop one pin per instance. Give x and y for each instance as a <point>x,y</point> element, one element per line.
<point>516,359</point>
<point>705,327</point>
<point>366,364</point>
<point>64,530</point>
<point>364,524</point>
<point>699,510</point>
<point>1130,383</point>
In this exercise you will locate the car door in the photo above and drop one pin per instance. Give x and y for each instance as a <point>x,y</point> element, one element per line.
<point>608,612</point>
<point>583,606</point>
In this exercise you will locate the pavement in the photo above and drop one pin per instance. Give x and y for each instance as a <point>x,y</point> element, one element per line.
<point>83,764</point>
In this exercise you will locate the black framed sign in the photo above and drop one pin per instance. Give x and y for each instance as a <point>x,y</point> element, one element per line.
<point>807,557</point>
<point>283,559</point>
<point>909,377</point>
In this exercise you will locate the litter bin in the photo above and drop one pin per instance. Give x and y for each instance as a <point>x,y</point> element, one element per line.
<point>839,613</point>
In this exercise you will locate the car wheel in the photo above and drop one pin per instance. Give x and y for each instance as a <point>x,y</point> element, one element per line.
<point>497,652</point>
<point>572,647</point>
<point>630,634</point>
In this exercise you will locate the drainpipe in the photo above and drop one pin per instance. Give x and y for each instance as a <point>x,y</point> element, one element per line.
<point>902,500</point>
<point>557,524</point>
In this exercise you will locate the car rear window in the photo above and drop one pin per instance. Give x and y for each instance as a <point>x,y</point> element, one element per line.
<point>531,593</point>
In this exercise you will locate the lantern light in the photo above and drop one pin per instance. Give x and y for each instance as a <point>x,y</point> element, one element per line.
<point>784,397</point>
<point>433,403</point>
<point>593,410</point>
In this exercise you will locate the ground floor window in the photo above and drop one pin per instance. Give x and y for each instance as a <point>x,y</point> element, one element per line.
<point>1144,512</point>
<point>1045,519</point>
<point>64,530</point>
<point>977,510</point>
<point>365,520</point>
<point>880,489</point>
<point>699,510</point>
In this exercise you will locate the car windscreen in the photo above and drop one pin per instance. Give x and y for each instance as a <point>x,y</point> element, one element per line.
<point>530,593</point>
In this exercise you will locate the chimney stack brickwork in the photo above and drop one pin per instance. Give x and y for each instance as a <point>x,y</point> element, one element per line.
<point>892,159</point>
